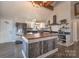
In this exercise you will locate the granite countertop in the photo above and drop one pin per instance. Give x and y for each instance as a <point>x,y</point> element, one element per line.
<point>39,35</point>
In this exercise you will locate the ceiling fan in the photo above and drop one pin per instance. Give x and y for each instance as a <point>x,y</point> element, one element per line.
<point>46,4</point>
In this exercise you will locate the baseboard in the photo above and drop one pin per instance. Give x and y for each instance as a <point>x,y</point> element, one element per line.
<point>48,53</point>
<point>7,42</point>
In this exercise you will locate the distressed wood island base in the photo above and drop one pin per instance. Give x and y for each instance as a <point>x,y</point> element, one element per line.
<point>39,47</point>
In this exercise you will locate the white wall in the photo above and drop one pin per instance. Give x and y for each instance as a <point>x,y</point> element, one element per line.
<point>63,11</point>
<point>20,11</point>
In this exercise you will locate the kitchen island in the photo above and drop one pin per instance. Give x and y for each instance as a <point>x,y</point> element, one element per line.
<point>39,45</point>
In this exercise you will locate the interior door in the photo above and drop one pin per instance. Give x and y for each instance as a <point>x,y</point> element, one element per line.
<point>7,31</point>
<point>78,30</point>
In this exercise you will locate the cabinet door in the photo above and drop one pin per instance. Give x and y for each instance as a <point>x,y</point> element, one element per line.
<point>51,44</point>
<point>54,43</point>
<point>35,49</point>
<point>45,46</point>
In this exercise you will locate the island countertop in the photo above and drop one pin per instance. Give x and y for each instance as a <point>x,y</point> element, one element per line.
<point>40,37</point>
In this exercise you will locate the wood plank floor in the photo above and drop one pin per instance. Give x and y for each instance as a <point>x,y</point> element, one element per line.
<point>10,50</point>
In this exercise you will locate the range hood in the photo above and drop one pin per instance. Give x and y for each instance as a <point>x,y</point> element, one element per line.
<point>54,23</point>
<point>54,20</point>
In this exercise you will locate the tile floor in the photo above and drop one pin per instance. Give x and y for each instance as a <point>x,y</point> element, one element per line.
<point>67,52</point>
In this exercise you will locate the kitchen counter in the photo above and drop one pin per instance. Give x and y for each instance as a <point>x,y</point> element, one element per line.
<point>40,36</point>
<point>39,45</point>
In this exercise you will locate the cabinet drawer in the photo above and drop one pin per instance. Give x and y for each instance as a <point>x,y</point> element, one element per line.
<point>45,46</point>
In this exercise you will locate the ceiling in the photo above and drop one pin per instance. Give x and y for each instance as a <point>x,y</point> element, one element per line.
<point>25,10</point>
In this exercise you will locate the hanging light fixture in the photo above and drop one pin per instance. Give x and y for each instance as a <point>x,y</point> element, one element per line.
<point>46,4</point>
<point>34,4</point>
